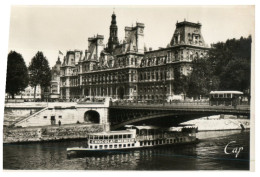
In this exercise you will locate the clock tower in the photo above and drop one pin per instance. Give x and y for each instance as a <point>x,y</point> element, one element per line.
<point>113,39</point>
<point>140,37</point>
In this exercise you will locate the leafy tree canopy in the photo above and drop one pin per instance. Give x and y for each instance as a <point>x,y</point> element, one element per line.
<point>40,72</point>
<point>232,62</point>
<point>17,74</point>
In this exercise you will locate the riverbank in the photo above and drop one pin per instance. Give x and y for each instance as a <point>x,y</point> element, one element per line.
<point>50,133</point>
<point>215,124</point>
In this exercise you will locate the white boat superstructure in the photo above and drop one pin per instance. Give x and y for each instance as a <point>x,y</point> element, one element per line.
<point>137,137</point>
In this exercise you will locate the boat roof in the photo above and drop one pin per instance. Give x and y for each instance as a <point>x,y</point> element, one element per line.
<point>223,92</point>
<point>149,127</point>
<point>112,132</point>
<point>146,127</point>
<point>178,129</point>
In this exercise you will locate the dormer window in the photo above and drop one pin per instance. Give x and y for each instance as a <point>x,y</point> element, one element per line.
<point>176,39</point>
<point>189,37</point>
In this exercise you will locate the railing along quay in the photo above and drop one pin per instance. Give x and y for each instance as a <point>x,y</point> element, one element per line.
<point>192,106</point>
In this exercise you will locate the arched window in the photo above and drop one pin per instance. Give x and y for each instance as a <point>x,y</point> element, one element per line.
<point>176,56</point>
<point>196,55</point>
<point>189,36</point>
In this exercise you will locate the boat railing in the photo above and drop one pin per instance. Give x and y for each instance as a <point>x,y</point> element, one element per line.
<point>149,137</point>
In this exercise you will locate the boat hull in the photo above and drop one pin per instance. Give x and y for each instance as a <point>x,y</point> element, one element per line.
<point>79,152</point>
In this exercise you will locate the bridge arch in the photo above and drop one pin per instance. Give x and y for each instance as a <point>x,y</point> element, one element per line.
<point>92,116</point>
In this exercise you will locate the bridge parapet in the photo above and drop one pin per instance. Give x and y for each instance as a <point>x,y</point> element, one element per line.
<point>122,114</point>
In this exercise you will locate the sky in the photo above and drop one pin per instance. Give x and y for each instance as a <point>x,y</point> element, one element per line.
<point>51,29</point>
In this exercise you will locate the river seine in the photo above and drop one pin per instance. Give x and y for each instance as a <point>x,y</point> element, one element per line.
<point>216,150</point>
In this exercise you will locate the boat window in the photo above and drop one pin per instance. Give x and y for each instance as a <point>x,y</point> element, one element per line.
<point>90,147</point>
<point>124,145</point>
<point>115,146</point>
<point>120,145</point>
<point>100,146</point>
<point>110,146</point>
<point>144,143</point>
<point>120,136</point>
<point>95,147</point>
<point>181,140</point>
<point>133,144</point>
<point>228,95</point>
<point>148,142</point>
<point>170,140</point>
<point>174,140</point>
<point>128,145</point>
<point>124,136</point>
<point>90,136</point>
<point>95,137</point>
<point>129,136</point>
<point>100,137</point>
<point>141,143</point>
<point>105,146</point>
<point>111,137</point>
<point>115,136</point>
<point>105,137</point>
<point>167,141</point>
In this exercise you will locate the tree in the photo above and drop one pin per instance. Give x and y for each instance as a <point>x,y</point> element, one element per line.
<point>180,83</point>
<point>201,79</point>
<point>17,74</point>
<point>40,72</point>
<point>232,61</point>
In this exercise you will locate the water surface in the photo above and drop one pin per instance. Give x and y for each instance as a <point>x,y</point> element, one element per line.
<point>208,154</point>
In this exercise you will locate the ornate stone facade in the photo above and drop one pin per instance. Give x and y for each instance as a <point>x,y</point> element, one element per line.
<point>55,81</point>
<point>127,70</point>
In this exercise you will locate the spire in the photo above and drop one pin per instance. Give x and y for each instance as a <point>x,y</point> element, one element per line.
<point>58,61</point>
<point>113,22</point>
<point>113,39</point>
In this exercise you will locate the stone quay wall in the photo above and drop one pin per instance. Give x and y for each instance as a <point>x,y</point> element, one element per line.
<point>50,133</point>
<point>15,114</point>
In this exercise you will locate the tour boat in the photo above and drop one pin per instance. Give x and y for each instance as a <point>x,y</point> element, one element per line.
<point>136,137</point>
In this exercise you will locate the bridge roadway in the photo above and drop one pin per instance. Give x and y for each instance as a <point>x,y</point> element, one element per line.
<point>129,113</point>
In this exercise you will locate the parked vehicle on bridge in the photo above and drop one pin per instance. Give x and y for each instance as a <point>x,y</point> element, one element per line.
<point>225,98</point>
<point>135,137</point>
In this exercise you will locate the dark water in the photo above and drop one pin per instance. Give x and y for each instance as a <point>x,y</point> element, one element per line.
<point>208,154</point>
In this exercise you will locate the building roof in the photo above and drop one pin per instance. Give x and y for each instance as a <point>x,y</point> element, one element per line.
<point>223,92</point>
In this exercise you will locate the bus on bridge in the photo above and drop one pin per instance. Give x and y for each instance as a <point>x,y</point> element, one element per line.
<point>225,98</point>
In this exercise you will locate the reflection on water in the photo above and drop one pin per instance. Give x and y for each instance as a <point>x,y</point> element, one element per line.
<point>208,154</point>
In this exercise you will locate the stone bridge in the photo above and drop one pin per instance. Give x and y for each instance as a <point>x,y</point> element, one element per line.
<point>119,114</point>
<point>169,114</point>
